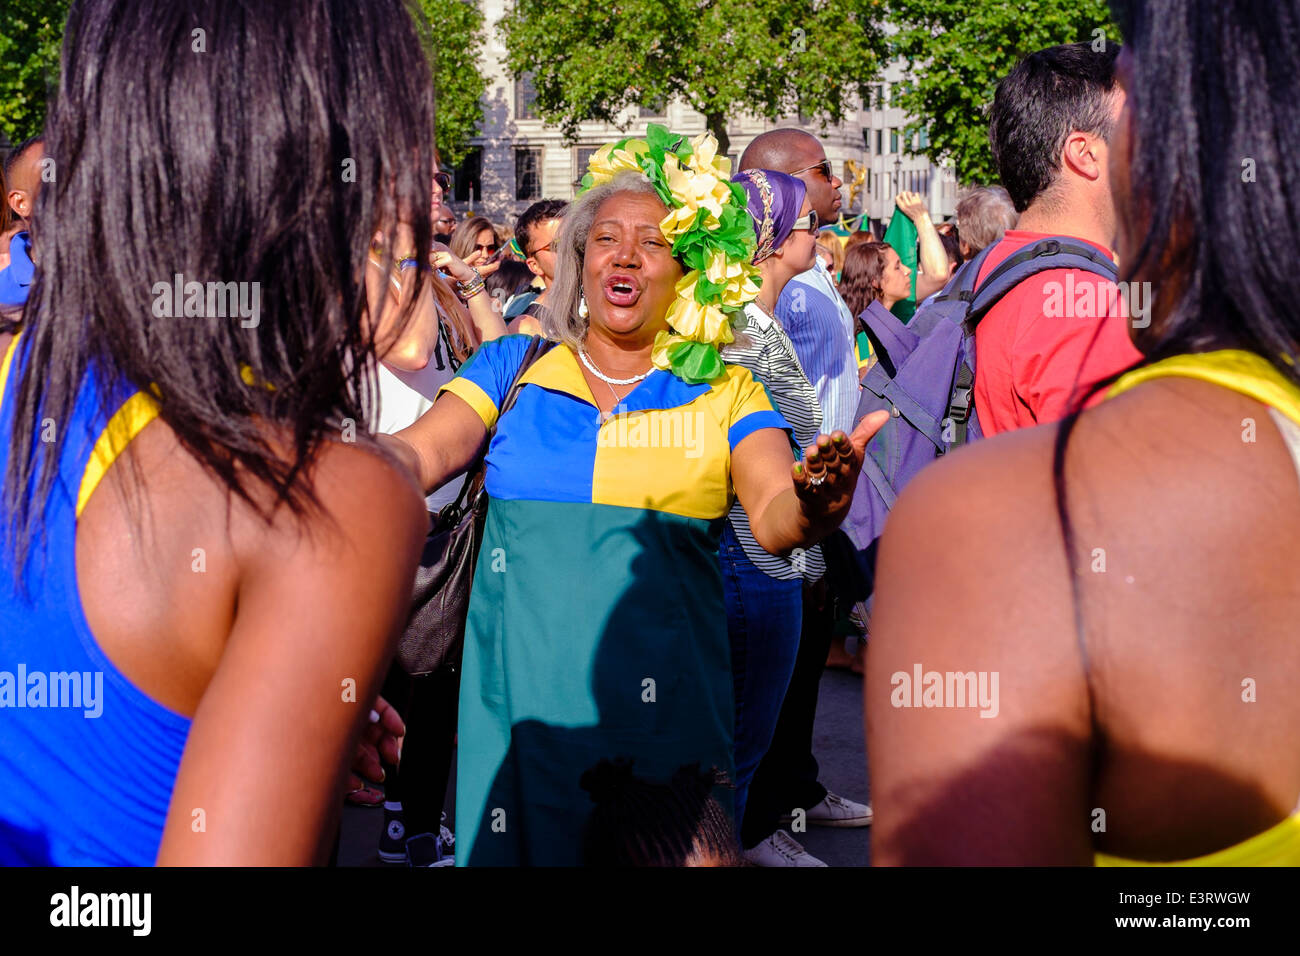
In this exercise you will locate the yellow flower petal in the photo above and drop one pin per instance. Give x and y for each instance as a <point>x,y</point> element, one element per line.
<point>659,354</point>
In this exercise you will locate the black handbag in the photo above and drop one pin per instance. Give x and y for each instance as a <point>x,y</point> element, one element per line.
<point>435,630</point>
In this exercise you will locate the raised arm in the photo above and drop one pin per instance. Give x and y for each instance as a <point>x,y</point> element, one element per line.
<point>933,260</point>
<point>487,322</point>
<point>412,348</point>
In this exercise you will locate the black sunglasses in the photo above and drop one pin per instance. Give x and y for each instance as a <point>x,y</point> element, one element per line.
<point>824,166</point>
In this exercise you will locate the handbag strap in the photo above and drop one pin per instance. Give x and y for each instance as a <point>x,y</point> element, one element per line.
<point>474,476</point>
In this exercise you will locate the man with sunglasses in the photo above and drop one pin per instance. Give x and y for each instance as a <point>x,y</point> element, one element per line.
<point>535,233</point>
<point>820,327</point>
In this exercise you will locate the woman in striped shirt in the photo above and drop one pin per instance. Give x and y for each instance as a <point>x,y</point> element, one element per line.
<point>763,591</point>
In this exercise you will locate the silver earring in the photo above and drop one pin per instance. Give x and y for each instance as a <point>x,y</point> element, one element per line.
<point>582,305</point>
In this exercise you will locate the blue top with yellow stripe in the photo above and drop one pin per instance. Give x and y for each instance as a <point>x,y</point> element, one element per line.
<point>596,624</point>
<point>88,761</point>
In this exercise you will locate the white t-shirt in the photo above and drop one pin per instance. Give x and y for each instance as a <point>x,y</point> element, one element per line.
<point>404,397</point>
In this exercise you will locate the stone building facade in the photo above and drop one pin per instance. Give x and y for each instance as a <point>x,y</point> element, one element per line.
<point>518,159</point>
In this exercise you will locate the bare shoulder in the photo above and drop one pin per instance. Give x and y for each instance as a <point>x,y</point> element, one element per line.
<point>361,488</point>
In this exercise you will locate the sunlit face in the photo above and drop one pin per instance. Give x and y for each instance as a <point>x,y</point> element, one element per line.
<point>896,281</point>
<point>808,163</point>
<point>800,247</point>
<point>486,242</point>
<point>541,248</point>
<point>629,275</point>
<point>436,208</point>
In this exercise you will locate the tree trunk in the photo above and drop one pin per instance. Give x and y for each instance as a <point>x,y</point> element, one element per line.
<point>717,125</point>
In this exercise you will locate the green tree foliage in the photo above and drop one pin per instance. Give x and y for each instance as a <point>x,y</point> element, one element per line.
<point>454,43</point>
<point>31,32</point>
<point>590,60</point>
<point>957,52</point>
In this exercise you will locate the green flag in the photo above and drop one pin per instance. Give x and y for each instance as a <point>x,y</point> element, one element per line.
<point>901,234</point>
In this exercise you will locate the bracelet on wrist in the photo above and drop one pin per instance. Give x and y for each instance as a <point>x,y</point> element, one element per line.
<point>471,287</point>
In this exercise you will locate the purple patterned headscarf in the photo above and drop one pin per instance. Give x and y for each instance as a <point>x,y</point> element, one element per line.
<point>774,202</point>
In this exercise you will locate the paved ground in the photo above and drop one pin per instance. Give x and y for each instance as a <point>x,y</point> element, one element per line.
<point>837,744</point>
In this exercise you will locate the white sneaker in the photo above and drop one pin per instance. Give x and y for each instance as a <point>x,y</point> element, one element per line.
<point>781,849</point>
<point>835,811</point>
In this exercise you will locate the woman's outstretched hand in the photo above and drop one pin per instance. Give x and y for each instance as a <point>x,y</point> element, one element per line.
<point>827,474</point>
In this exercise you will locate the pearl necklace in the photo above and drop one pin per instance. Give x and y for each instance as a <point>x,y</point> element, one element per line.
<point>586,360</point>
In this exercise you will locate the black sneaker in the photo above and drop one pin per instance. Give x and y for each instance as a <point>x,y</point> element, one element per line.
<point>426,849</point>
<point>392,843</point>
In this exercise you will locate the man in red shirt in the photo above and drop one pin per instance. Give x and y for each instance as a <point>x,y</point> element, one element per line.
<point>1061,330</point>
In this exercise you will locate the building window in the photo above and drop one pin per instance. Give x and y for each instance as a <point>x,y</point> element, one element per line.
<point>925,137</point>
<point>893,141</point>
<point>583,156</point>
<point>878,99</point>
<point>528,174</point>
<point>525,97</point>
<point>656,110</point>
<point>879,148</point>
<point>467,178</point>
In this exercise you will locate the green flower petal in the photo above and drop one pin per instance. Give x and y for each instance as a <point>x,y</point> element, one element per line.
<point>696,362</point>
<point>706,291</point>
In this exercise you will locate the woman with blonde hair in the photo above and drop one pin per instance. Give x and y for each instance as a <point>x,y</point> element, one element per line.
<point>476,241</point>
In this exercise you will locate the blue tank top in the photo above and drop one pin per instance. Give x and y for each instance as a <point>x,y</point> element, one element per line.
<point>87,760</point>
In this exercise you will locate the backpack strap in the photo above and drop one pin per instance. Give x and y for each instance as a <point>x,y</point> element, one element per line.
<point>1057,252</point>
<point>959,405</point>
<point>961,287</point>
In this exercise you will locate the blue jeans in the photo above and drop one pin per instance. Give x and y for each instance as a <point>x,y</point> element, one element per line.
<point>763,622</point>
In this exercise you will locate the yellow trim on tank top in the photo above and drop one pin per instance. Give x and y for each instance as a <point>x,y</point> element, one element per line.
<point>1277,846</point>
<point>1235,369</point>
<point>127,422</point>
<point>4,364</point>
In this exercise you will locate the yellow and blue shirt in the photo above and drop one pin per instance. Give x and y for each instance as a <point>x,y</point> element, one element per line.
<point>596,625</point>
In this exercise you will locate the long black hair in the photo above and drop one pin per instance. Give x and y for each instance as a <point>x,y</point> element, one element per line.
<point>227,141</point>
<point>1214,176</point>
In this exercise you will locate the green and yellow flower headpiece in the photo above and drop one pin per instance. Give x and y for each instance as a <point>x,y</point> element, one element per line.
<point>710,230</point>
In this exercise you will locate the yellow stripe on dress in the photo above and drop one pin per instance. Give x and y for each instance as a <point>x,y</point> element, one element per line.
<point>129,420</point>
<point>1277,846</point>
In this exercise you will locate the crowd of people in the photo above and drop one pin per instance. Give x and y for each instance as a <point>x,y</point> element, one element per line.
<point>213,522</point>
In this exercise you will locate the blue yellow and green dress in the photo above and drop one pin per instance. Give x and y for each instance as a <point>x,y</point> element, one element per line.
<point>596,625</point>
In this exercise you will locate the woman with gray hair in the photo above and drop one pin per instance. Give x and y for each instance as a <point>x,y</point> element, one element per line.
<point>596,625</point>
